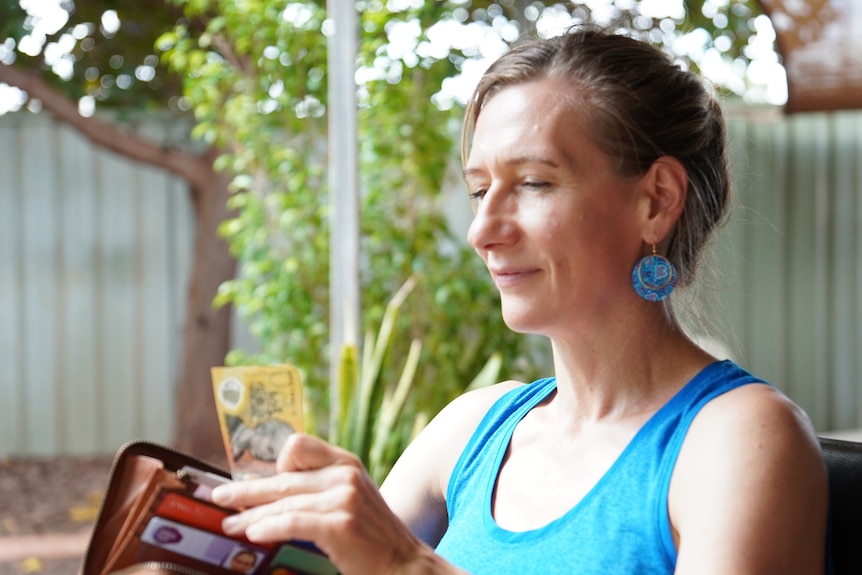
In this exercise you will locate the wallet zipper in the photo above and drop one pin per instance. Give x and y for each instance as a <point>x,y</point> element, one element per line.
<point>172,567</point>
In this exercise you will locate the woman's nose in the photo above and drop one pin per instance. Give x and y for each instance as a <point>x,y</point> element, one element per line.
<point>493,224</point>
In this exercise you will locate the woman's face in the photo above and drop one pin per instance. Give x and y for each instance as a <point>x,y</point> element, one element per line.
<point>243,562</point>
<point>555,226</point>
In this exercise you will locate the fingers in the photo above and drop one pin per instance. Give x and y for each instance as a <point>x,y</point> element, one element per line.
<point>279,520</point>
<point>309,500</point>
<point>253,491</point>
<point>307,490</point>
<point>305,526</point>
<point>257,492</point>
<point>321,494</point>
<point>305,465</point>
<point>324,495</point>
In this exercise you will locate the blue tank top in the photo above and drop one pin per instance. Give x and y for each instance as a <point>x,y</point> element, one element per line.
<point>620,526</point>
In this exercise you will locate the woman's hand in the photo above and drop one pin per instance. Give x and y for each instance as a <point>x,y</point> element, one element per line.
<point>323,494</point>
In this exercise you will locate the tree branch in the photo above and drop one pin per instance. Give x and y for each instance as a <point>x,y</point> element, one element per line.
<point>106,134</point>
<point>228,53</point>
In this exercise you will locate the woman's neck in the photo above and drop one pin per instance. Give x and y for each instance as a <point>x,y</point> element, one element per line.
<point>626,367</point>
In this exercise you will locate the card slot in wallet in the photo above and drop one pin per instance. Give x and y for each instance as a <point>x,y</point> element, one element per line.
<point>161,540</point>
<point>173,525</point>
<point>129,480</point>
<point>161,482</point>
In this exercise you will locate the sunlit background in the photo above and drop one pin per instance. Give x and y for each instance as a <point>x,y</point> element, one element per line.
<point>760,80</point>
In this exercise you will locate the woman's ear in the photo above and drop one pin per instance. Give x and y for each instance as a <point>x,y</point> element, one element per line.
<point>665,188</point>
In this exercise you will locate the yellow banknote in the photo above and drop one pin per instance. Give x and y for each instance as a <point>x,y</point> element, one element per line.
<point>258,408</point>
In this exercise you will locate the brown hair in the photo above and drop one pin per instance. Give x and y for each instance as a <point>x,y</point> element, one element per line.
<point>642,107</point>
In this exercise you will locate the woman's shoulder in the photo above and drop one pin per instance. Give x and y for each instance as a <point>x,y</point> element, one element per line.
<point>456,422</point>
<point>474,404</point>
<point>753,426</point>
<point>452,427</point>
<point>737,399</point>
<point>750,469</point>
<point>754,419</point>
<point>758,407</point>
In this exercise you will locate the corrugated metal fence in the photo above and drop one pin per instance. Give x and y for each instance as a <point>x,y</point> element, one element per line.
<point>94,254</point>
<point>791,262</point>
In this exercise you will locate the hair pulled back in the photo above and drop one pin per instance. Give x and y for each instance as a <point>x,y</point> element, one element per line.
<point>641,106</point>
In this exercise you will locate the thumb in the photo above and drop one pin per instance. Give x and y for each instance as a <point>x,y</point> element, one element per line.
<point>303,452</point>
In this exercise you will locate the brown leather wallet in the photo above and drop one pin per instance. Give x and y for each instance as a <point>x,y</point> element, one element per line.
<point>156,518</point>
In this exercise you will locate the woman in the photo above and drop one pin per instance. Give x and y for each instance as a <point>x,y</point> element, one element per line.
<point>589,155</point>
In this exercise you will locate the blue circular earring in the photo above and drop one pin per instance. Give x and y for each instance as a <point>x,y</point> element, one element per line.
<point>654,277</point>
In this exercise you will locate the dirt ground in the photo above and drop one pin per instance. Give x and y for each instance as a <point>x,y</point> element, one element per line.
<point>47,508</point>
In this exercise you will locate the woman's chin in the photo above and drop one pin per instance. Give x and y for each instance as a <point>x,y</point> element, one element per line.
<point>522,321</point>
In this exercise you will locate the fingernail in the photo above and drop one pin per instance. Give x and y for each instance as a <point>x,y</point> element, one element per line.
<point>230,524</point>
<point>222,495</point>
<point>254,533</point>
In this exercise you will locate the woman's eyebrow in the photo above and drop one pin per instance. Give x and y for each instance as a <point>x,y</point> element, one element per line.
<point>515,162</point>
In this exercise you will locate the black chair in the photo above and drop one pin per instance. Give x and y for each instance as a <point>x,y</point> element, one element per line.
<point>844,465</point>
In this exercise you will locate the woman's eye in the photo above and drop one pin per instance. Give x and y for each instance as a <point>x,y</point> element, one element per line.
<point>477,195</point>
<point>535,184</point>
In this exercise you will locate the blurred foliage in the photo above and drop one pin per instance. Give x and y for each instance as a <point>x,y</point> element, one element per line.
<point>264,101</point>
<point>253,73</point>
<point>118,69</point>
<point>101,56</point>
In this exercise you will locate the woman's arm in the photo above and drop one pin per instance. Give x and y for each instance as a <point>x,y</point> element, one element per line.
<point>416,487</point>
<point>749,494</point>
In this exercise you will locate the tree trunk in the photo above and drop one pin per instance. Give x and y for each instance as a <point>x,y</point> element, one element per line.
<point>206,335</point>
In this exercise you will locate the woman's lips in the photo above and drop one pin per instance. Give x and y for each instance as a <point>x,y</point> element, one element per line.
<point>511,277</point>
